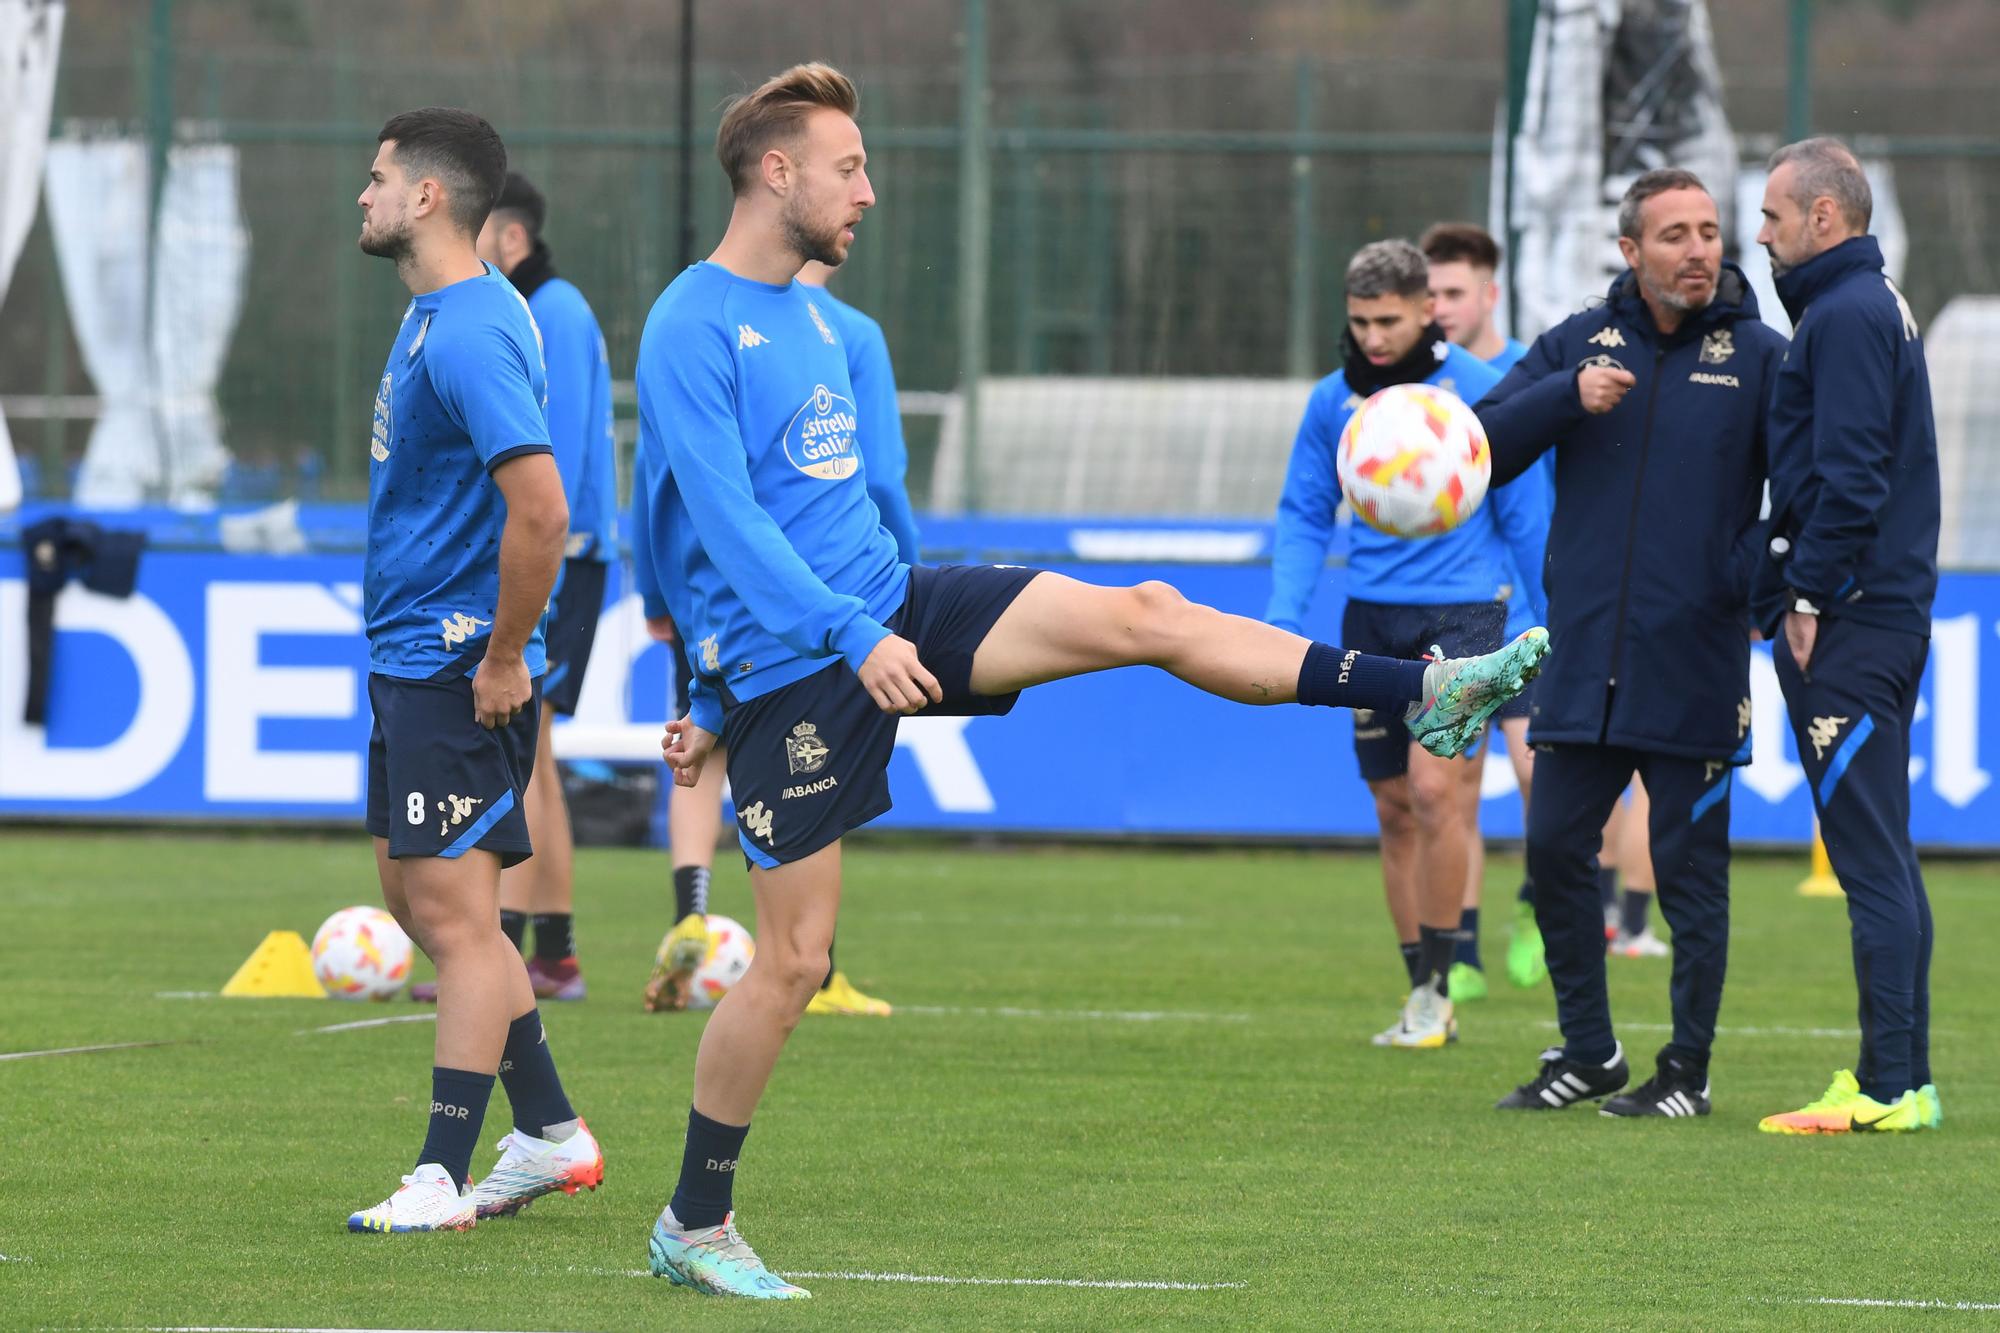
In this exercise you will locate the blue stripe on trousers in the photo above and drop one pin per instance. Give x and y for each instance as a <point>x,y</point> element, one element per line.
<point>1844,756</point>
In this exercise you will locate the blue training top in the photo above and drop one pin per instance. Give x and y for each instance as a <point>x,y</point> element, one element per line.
<point>1474,562</point>
<point>462,393</point>
<point>881,433</point>
<point>1527,610</point>
<point>772,557</point>
<point>579,413</point>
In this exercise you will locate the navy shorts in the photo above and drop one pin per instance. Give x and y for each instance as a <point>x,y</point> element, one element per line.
<point>809,761</point>
<point>1519,706</point>
<point>439,784</point>
<point>572,629</point>
<point>1461,629</point>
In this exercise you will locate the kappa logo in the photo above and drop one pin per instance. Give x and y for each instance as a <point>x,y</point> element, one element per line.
<point>455,810</point>
<point>1608,336</point>
<point>1902,308</point>
<point>1718,347</point>
<point>1823,732</point>
<point>460,628</point>
<point>711,654</point>
<point>1710,767</point>
<point>422,329</point>
<point>749,337</point>
<point>757,819</point>
<point>805,752</point>
<point>1742,718</point>
<point>824,332</point>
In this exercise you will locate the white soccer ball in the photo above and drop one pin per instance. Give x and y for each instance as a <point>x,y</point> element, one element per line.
<point>730,950</point>
<point>360,953</point>
<point>1414,461</point>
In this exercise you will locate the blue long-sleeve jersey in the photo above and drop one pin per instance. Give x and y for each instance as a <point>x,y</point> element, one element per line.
<point>1854,468</point>
<point>1475,562</point>
<point>771,556</point>
<point>579,415</point>
<point>881,420</point>
<point>1529,606</point>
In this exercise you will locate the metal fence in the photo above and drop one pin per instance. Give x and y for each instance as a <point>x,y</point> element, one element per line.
<point>1106,188</point>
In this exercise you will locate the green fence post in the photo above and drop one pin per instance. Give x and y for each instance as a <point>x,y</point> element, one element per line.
<point>1798,73</point>
<point>1299,333</point>
<point>974,240</point>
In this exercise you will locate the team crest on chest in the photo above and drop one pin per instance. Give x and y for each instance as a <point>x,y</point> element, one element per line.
<point>805,752</point>
<point>1718,347</point>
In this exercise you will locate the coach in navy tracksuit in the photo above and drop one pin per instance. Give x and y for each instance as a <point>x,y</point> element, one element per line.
<point>1654,402</point>
<point>1845,594</point>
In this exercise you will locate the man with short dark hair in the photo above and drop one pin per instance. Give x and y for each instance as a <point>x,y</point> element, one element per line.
<point>1406,596</point>
<point>1464,263</point>
<point>1653,403</point>
<point>466,519</point>
<point>1845,595</point>
<point>579,417</point>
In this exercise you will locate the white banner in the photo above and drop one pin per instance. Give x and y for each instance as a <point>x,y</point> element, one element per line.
<point>30,38</point>
<point>158,436</point>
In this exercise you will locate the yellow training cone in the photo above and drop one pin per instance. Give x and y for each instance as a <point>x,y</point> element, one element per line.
<point>280,966</point>
<point>1821,883</point>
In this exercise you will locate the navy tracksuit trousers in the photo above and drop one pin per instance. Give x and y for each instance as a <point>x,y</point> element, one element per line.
<point>1851,713</point>
<point>1575,789</point>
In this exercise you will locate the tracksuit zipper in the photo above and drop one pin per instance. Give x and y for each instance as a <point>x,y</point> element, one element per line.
<point>1632,536</point>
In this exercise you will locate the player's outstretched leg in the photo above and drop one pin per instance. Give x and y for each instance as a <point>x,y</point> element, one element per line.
<point>695,1242</point>
<point>1059,627</point>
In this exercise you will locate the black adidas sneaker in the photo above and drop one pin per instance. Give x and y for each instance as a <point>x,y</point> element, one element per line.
<point>1677,1088</point>
<point>1564,1082</point>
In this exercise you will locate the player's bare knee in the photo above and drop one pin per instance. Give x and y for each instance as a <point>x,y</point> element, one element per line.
<point>1160,619</point>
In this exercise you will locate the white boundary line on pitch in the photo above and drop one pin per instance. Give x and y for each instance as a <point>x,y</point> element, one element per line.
<point>944,1280</point>
<point>1876,1304</point>
<point>370,1023</point>
<point>1089,1015</point>
<point>90,1050</point>
<point>1844,1034</point>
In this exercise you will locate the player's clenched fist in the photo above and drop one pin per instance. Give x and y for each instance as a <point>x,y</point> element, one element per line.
<point>1601,387</point>
<point>896,680</point>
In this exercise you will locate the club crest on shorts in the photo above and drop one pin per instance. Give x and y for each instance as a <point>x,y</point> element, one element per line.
<point>805,752</point>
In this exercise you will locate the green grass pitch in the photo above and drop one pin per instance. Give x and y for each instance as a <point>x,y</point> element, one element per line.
<point>1018,1118</point>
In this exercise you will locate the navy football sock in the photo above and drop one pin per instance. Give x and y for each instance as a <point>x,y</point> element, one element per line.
<point>708,1171</point>
<point>555,936</point>
<point>690,891</point>
<point>1467,947</point>
<point>1437,946</point>
<point>514,925</point>
<point>529,1073</point>
<point>458,1109</point>
<point>1413,961</point>
<point>1632,915</point>
<point>1335,678</point>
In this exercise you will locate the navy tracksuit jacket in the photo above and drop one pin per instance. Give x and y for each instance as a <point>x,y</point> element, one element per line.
<point>1650,561</point>
<point>1854,531</point>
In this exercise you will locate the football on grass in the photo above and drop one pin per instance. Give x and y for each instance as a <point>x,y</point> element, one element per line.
<point>730,949</point>
<point>361,954</point>
<point>1413,461</point>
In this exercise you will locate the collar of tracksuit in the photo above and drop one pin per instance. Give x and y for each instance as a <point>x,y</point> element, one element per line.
<point>1418,364</point>
<point>1733,301</point>
<point>536,268</point>
<point>1802,285</point>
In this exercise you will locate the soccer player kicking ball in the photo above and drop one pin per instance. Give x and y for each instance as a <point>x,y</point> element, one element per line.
<point>466,521</point>
<point>811,638</point>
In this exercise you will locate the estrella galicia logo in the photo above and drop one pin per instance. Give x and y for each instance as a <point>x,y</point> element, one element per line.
<point>820,439</point>
<point>378,441</point>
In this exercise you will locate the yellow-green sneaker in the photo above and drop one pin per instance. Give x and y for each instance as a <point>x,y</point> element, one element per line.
<point>1526,961</point>
<point>1843,1108</point>
<point>1465,982</point>
<point>1930,1111</point>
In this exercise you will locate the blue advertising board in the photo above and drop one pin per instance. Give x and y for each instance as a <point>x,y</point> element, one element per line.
<point>234,687</point>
